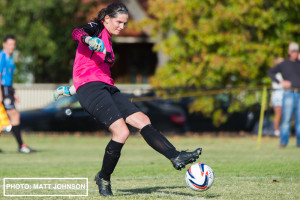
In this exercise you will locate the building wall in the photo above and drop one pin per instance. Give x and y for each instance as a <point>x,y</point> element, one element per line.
<point>135,62</point>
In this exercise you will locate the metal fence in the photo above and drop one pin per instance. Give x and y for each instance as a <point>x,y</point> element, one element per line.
<point>34,96</point>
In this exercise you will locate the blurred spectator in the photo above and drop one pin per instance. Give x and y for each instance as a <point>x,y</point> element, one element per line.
<point>290,71</point>
<point>7,92</point>
<point>276,99</point>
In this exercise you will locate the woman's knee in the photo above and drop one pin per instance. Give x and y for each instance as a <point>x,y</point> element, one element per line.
<point>138,120</point>
<point>119,131</point>
<point>144,119</point>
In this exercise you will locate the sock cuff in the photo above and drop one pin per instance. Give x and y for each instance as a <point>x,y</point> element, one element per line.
<point>147,129</point>
<point>16,127</point>
<point>114,146</point>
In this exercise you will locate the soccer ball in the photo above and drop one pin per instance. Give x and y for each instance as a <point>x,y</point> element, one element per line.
<point>199,177</point>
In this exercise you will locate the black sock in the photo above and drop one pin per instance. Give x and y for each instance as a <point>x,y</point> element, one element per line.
<point>17,133</point>
<point>110,159</point>
<point>158,142</point>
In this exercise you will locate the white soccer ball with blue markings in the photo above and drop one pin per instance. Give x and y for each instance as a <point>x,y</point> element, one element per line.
<point>199,177</point>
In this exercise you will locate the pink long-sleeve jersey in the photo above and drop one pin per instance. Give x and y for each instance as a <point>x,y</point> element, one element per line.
<point>89,65</point>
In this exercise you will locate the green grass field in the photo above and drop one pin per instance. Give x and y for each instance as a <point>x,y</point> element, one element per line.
<point>241,170</point>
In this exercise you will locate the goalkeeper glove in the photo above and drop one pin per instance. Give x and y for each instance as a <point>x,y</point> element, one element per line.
<point>95,44</point>
<point>64,91</point>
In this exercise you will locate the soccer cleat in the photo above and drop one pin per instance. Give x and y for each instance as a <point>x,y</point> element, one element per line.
<point>185,158</point>
<point>25,149</point>
<point>103,185</point>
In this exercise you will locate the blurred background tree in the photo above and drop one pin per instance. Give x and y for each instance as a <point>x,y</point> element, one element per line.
<point>209,43</point>
<point>43,30</point>
<point>221,43</point>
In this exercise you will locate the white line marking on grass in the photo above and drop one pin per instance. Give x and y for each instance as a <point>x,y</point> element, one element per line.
<point>140,177</point>
<point>251,177</point>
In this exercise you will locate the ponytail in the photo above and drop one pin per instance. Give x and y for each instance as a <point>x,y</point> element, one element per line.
<point>112,10</point>
<point>100,16</point>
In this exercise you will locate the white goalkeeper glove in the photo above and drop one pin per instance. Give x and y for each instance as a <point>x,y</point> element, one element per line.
<point>64,91</point>
<point>95,44</point>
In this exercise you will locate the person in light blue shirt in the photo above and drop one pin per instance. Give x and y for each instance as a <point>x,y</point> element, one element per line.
<point>7,92</point>
<point>7,68</point>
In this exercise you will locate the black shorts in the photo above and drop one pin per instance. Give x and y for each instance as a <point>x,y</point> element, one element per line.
<point>8,93</point>
<point>105,102</point>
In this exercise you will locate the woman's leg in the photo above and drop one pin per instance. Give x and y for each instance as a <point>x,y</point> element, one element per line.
<point>111,157</point>
<point>277,118</point>
<point>160,143</point>
<point>96,99</point>
<point>113,149</point>
<point>152,136</point>
<point>276,99</point>
<point>119,131</point>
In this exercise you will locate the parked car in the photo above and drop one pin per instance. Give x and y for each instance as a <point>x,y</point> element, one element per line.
<point>244,120</point>
<point>66,114</point>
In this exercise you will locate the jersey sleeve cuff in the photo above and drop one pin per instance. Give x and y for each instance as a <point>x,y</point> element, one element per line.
<point>83,39</point>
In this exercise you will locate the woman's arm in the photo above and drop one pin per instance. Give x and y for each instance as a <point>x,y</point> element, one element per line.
<point>80,33</point>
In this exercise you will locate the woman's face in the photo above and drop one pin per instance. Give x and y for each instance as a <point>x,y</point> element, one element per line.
<point>117,24</point>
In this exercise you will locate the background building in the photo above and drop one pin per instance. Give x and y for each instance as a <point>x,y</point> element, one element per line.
<point>135,59</point>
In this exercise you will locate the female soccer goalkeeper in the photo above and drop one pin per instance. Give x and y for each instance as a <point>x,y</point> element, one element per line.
<point>99,97</point>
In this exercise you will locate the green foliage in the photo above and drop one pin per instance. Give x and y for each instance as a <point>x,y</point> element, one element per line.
<point>221,43</point>
<point>43,30</point>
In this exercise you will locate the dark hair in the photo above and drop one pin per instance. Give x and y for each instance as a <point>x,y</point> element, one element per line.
<point>112,10</point>
<point>9,36</point>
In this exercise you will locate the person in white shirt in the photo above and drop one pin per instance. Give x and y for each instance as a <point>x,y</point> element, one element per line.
<point>276,99</point>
